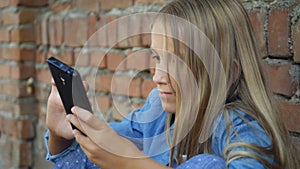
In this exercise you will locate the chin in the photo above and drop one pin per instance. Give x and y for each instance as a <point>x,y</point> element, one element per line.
<point>169,108</point>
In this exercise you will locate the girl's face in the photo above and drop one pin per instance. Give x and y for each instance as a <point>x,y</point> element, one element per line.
<point>162,53</point>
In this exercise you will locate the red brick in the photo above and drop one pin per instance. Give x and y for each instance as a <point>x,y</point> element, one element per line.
<point>123,32</point>
<point>97,58</point>
<point>124,85</point>
<point>120,110</point>
<point>278,29</point>
<point>138,60</point>
<point>22,129</point>
<point>91,6</point>
<point>15,89</point>
<point>102,35</point>
<point>55,28</point>
<point>43,75</point>
<point>27,16</point>
<point>103,83</point>
<point>110,4</point>
<point>6,151</point>
<point>22,35</point>
<point>5,106</point>
<point>291,115</point>
<point>116,61</point>
<point>135,87</point>
<point>24,108</point>
<point>112,31</point>
<point>22,72</point>
<point>147,86</point>
<point>76,31</point>
<point>67,56</point>
<point>22,154</point>
<point>41,55</point>
<point>41,109</point>
<point>18,54</point>
<point>148,2</point>
<point>93,20</point>
<point>44,31</point>
<point>9,18</point>
<point>42,93</point>
<point>81,58</point>
<point>38,32</point>
<point>58,6</point>
<point>279,79</point>
<point>33,3</point>
<point>104,104</point>
<point>146,30</point>
<point>135,29</point>
<point>258,21</point>
<point>4,71</point>
<point>4,3</point>
<point>6,53</point>
<point>296,41</point>
<point>4,35</point>
<point>21,17</point>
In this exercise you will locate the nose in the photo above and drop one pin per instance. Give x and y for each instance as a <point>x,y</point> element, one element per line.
<point>160,77</point>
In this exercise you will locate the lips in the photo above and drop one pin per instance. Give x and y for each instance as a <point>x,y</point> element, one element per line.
<point>165,94</point>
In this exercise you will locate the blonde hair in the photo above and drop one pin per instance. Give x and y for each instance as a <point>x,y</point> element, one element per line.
<point>226,24</point>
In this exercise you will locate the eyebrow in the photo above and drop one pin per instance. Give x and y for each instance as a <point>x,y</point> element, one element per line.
<point>153,51</point>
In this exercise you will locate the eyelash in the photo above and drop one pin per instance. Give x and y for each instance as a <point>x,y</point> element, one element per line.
<point>156,57</point>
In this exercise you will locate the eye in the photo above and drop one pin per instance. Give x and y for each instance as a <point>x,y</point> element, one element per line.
<point>156,57</point>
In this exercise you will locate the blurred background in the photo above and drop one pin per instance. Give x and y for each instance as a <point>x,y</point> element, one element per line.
<point>33,30</point>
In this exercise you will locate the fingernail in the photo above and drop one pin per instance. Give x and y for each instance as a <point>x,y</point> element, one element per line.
<point>74,131</point>
<point>73,109</point>
<point>68,116</point>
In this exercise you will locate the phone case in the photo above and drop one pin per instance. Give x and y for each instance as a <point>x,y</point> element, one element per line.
<point>69,85</point>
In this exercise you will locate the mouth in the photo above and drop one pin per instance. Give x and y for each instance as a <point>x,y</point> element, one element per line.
<point>165,94</point>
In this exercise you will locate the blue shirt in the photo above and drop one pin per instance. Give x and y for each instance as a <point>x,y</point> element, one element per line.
<point>145,127</point>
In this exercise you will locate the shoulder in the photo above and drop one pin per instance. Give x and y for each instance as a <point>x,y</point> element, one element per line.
<point>240,127</point>
<point>238,133</point>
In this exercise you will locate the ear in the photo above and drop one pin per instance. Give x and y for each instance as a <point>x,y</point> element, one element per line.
<point>236,71</point>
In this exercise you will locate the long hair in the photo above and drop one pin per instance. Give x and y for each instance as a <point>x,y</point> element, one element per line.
<point>227,26</point>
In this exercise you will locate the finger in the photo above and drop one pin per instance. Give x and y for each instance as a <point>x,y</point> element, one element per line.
<point>88,118</point>
<point>75,121</point>
<point>86,86</point>
<point>53,85</point>
<point>53,82</point>
<point>87,145</point>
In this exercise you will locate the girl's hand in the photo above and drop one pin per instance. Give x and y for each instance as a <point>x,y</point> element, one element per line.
<point>61,135</point>
<point>56,120</point>
<point>103,145</point>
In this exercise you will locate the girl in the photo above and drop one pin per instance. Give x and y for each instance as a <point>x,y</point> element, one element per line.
<point>211,104</point>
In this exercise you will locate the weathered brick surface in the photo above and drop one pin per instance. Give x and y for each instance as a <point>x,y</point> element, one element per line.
<point>278,29</point>
<point>258,21</point>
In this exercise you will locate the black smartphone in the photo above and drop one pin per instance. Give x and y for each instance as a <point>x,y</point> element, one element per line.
<point>69,85</point>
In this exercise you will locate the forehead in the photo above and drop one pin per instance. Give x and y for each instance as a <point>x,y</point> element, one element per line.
<point>161,39</point>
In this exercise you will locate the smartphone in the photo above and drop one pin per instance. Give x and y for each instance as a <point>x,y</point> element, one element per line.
<point>69,85</point>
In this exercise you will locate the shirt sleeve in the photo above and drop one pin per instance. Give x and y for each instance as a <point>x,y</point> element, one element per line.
<point>71,158</point>
<point>242,129</point>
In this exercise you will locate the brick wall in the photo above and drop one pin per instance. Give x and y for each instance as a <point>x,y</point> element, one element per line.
<point>31,31</point>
